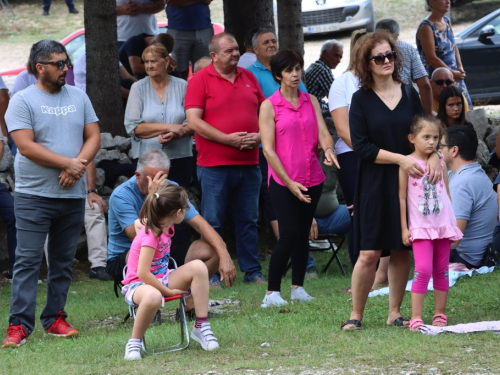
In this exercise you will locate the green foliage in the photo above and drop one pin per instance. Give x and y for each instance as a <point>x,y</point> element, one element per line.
<point>307,337</point>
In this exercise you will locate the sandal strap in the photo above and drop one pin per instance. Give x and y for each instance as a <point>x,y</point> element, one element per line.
<point>441,318</point>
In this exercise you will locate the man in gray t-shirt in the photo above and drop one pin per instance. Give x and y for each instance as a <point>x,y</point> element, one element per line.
<point>55,129</point>
<point>472,196</point>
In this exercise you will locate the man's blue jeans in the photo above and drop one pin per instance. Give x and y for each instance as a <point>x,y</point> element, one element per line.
<point>62,220</point>
<point>339,223</point>
<point>239,187</point>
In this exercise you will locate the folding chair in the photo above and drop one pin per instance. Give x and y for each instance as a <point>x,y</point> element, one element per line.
<point>184,342</point>
<point>335,242</point>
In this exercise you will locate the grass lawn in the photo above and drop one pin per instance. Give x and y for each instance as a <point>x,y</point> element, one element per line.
<point>306,339</point>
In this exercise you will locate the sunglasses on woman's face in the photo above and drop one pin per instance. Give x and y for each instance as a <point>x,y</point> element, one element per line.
<point>59,64</point>
<point>440,82</point>
<point>380,58</point>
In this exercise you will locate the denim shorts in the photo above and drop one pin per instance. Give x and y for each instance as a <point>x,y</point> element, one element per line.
<point>129,289</point>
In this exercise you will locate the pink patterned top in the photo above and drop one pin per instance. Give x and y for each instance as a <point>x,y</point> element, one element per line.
<point>430,213</point>
<point>159,264</point>
<point>296,140</point>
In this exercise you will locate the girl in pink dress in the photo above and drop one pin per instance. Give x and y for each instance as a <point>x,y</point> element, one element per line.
<point>427,222</point>
<point>149,280</point>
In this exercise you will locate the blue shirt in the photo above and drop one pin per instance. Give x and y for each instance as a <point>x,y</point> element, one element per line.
<point>192,17</point>
<point>266,80</point>
<point>474,200</point>
<point>124,206</point>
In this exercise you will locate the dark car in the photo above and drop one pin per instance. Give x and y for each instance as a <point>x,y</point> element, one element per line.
<point>479,46</point>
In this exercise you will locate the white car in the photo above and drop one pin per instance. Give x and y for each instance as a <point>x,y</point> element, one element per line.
<point>325,16</point>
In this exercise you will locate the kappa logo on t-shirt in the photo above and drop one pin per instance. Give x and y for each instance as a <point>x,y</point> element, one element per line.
<point>58,110</point>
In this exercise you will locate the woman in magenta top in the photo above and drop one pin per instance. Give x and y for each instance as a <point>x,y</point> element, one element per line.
<point>291,128</point>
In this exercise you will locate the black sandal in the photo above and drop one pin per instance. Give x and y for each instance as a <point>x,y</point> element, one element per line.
<point>356,323</point>
<point>400,322</point>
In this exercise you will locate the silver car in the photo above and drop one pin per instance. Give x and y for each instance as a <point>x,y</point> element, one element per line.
<point>325,16</point>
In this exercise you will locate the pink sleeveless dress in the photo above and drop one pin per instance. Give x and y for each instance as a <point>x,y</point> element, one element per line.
<point>429,209</point>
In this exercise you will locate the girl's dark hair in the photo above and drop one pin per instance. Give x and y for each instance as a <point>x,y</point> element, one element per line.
<point>363,53</point>
<point>285,59</point>
<point>450,92</point>
<point>164,202</point>
<point>420,121</point>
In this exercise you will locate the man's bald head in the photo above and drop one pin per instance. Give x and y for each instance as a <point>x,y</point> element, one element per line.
<point>214,45</point>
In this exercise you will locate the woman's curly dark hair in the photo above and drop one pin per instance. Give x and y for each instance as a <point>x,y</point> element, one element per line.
<point>364,52</point>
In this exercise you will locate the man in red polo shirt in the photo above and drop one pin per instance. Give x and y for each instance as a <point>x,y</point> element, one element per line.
<point>222,103</point>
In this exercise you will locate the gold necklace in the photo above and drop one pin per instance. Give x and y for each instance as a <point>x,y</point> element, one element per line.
<point>383,97</point>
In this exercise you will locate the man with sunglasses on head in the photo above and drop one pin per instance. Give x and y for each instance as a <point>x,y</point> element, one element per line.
<point>55,129</point>
<point>441,78</point>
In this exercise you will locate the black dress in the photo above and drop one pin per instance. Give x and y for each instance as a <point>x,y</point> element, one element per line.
<point>377,224</point>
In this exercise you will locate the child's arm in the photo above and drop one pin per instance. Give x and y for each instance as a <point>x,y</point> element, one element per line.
<point>138,226</point>
<point>403,186</point>
<point>144,273</point>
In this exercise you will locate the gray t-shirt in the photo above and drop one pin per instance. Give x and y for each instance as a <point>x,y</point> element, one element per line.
<point>144,105</point>
<point>57,121</point>
<point>474,200</point>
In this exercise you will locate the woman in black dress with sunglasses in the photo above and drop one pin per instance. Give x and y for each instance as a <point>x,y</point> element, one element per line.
<point>380,116</point>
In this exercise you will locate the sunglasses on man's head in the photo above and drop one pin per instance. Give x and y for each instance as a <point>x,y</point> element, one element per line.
<point>59,64</point>
<point>380,58</point>
<point>440,82</point>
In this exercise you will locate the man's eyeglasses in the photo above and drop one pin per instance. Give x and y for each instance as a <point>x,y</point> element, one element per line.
<point>380,58</point>
<point>59,64</point>
<point>440,82</point>
<point>441,145</point>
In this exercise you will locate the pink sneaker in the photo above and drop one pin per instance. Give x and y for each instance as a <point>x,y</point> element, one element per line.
<point>16,336</point>
<point>61,328</point>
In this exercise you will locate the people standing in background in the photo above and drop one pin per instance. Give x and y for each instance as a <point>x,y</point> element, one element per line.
<point>190,25</point>
<point>134,17</point>
<point>69,3</point>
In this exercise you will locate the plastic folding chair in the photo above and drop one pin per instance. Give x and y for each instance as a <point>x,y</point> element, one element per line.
<point>184,341</point>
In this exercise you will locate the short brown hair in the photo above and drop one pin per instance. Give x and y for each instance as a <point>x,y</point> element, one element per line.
<point>364,53</point>
<point>285,59</point>
<point>163,203</point>
<point>158,50</point>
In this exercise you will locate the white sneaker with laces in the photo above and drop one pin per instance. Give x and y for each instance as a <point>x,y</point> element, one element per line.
<point>273,300</point>
<point>133,350</point>
<point>300,295</point>
<point>205,337</point>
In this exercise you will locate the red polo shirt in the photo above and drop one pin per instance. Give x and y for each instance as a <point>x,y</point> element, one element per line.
<point>228,107</point>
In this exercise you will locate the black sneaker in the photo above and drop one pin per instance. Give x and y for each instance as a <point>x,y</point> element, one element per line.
<point>99,273</point>
<point>45,12</point>
<point>74,11</point>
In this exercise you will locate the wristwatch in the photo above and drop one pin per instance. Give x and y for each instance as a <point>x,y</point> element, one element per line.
<point>92,191</point>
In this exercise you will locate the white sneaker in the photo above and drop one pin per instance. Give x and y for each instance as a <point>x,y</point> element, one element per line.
<point>272,300</point>
<point>205,337</point>
<point>300,295</point>
<point>319,244</point>
<point>133,350</point>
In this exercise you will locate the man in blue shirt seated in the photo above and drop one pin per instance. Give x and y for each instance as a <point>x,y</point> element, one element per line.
<point>124,207</point>
<point>472,196</point>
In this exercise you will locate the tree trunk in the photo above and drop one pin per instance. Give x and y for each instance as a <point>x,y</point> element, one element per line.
<point>103,81</point>
<point>291,35</point>
<point>243,15</point>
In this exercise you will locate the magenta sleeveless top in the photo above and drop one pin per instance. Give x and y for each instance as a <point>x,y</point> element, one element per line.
<point>296,140</point>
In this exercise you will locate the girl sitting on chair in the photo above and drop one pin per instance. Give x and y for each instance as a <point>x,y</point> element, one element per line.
<point>148,279</point>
